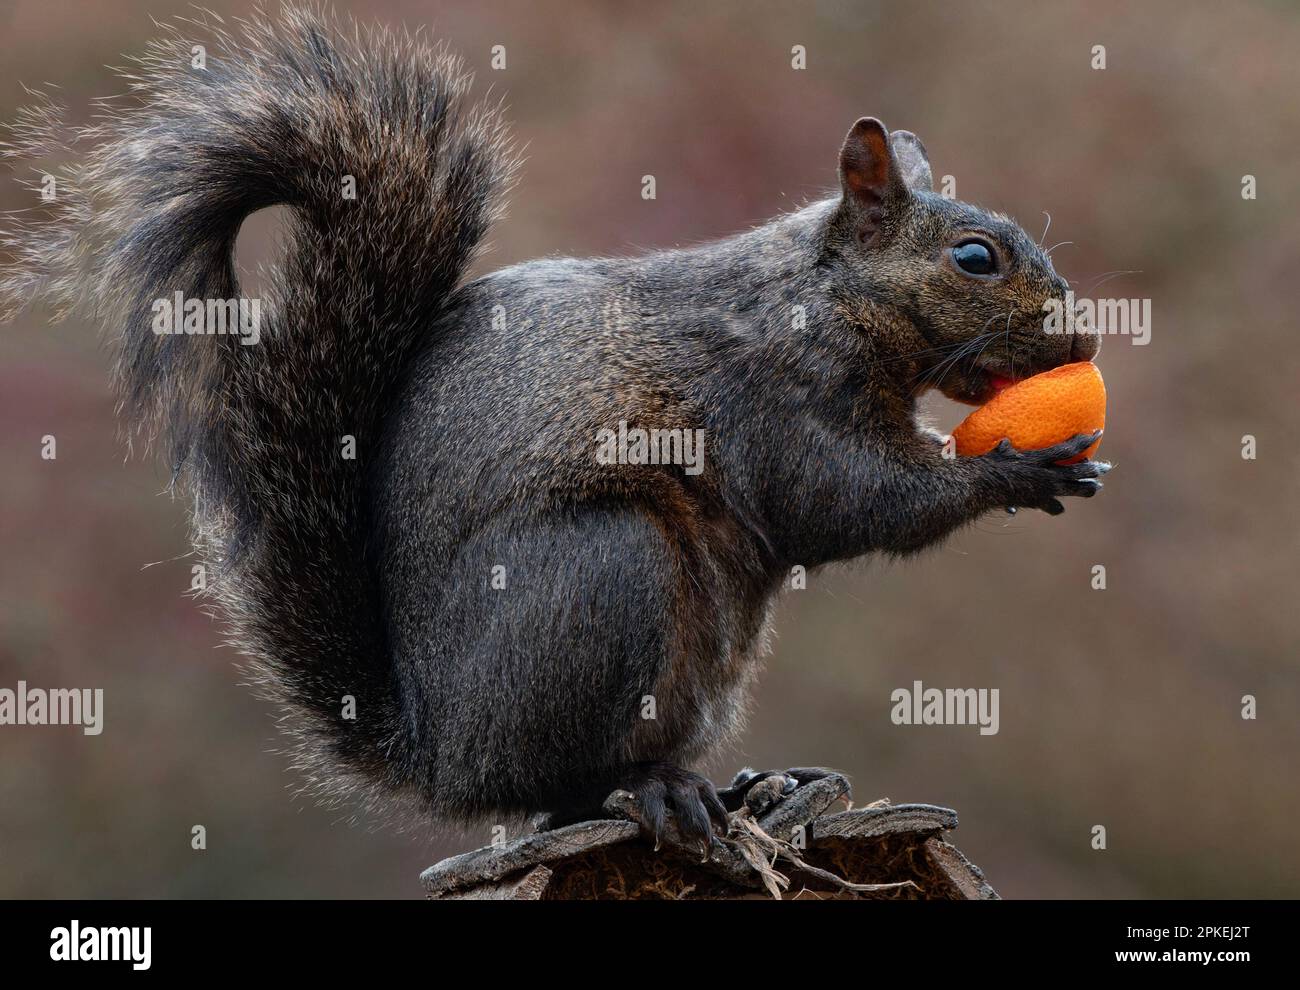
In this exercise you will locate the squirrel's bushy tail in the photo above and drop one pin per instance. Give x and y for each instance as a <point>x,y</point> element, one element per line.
<point>390,180</point>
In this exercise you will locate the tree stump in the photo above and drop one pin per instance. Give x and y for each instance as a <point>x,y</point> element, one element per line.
<point>787,847</point>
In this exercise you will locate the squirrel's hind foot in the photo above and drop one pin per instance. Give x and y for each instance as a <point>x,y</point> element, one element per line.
<point>761,790</point>
<point>665,799</point>
<point>657,790</point>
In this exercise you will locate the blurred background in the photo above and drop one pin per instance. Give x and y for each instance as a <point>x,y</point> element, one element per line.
<point>1119,707</point>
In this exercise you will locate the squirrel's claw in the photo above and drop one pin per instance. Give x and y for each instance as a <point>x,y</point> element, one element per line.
<point>658,789</point>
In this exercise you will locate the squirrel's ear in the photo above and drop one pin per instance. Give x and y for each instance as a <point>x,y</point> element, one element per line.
<point>913,163</point>
<point>869,174</point>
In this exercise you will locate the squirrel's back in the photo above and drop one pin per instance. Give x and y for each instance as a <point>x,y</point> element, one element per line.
<point>537,600</point>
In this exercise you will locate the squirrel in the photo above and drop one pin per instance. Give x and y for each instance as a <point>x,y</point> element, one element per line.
<point>471,610</point>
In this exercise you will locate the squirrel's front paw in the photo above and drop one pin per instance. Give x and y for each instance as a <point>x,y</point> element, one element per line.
<point>1035,480</point>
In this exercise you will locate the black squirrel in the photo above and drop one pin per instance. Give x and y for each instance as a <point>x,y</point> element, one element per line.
<point>398,489</point>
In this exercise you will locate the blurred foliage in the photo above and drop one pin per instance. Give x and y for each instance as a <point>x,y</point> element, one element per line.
<point>1119,707</point>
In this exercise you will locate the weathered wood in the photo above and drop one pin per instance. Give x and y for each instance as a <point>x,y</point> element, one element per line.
<point>491,863</point>
<point>528,887</point>
<point>964,875</point>
<point>791,849</point>
<point>889,819</point>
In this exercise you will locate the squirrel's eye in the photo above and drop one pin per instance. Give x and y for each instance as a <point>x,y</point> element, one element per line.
<point>975,258</point>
